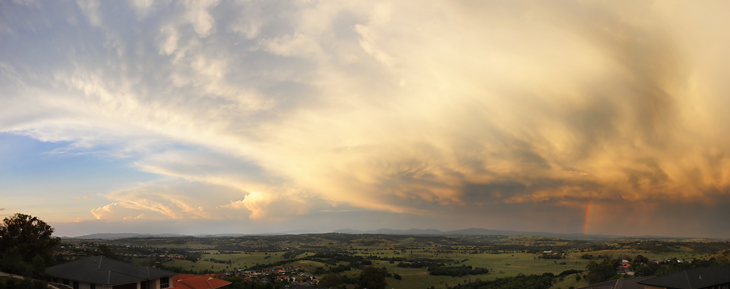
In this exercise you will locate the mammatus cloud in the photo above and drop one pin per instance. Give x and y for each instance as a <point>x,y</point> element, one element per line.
<point>271,111</point>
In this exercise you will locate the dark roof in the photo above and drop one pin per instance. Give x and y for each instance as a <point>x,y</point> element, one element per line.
<point>625,283</point>
<point>693,278</point>
<point>105,271</point>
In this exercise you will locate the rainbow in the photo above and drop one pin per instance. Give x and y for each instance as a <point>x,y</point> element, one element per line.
<point>587,217</point>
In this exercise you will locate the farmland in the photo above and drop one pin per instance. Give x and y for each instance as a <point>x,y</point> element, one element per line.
<point>347,254</point>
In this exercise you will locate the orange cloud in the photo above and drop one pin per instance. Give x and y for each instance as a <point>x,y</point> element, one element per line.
<point>79,220</point>
<point>405,107</point>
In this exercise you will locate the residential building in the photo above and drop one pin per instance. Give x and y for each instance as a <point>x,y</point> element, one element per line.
<point>189,281</point>
<point>98,272</point>
<point>700,278</point>
<point>626,283</point>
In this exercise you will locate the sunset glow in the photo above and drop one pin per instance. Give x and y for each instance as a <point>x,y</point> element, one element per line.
<point>268,116</point>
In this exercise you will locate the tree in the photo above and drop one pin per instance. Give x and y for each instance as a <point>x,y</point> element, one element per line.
<point>372,278</point>
<point>639,259</point>
<point>330,280</point>
<point>601,272</point>
<point>105,251</point>
<point>30,235</point>
<point>12,262</point>
<point>13,283</point>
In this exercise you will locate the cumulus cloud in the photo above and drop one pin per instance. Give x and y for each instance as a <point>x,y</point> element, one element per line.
<point>197,14</point>
<point>410,108</point>
<point>79,220</point>
<point>171,200</point>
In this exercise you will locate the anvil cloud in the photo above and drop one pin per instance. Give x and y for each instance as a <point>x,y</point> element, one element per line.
<point>257,116</point>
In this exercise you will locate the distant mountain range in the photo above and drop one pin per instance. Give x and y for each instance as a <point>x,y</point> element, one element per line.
<point>113,236</point>
<point>476,232</point>
<point>471,231</point>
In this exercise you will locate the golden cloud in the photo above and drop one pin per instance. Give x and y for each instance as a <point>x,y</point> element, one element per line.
<point>405,107</point>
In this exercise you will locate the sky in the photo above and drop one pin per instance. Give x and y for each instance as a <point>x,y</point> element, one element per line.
<point>204,117</point>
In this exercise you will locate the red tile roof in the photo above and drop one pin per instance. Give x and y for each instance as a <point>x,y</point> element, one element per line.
<point>189,281</point>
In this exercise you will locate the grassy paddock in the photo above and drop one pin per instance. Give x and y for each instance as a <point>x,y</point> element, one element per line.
<point>503,265</point>
<point>451,250</point>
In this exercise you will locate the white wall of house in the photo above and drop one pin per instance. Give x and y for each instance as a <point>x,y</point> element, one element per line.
<point>155,284</point>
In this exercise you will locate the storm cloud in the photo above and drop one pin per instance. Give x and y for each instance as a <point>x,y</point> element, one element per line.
<point>510,113</point>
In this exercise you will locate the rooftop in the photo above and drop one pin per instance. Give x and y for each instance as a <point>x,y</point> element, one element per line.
<point>693,278</point>
<point>189,281</point>
<point>626,283</point>
<point>105,271</point>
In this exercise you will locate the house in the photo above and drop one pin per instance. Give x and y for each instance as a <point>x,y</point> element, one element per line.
<point>189,281</point>
<point>98,272</point>
<point>625,268</point>
<point>700,278</point>
<point>628,283</point>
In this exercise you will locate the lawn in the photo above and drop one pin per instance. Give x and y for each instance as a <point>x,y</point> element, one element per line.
<point>502,264</point>
<point>240,261</point>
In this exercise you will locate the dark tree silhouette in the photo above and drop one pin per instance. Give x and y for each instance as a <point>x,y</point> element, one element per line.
<point>330,280</point>
<point>105,251</point>
<point>372,278</point>
<point>30,235</point>
<point>26,245</point>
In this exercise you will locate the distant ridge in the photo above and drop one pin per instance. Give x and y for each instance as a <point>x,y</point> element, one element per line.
<point>114,236</point>
<point>475,232</point>
<point>382,231</point>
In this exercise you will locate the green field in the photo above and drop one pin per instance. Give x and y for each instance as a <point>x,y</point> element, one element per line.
<point>503,265</point>
<point>505,256</point>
